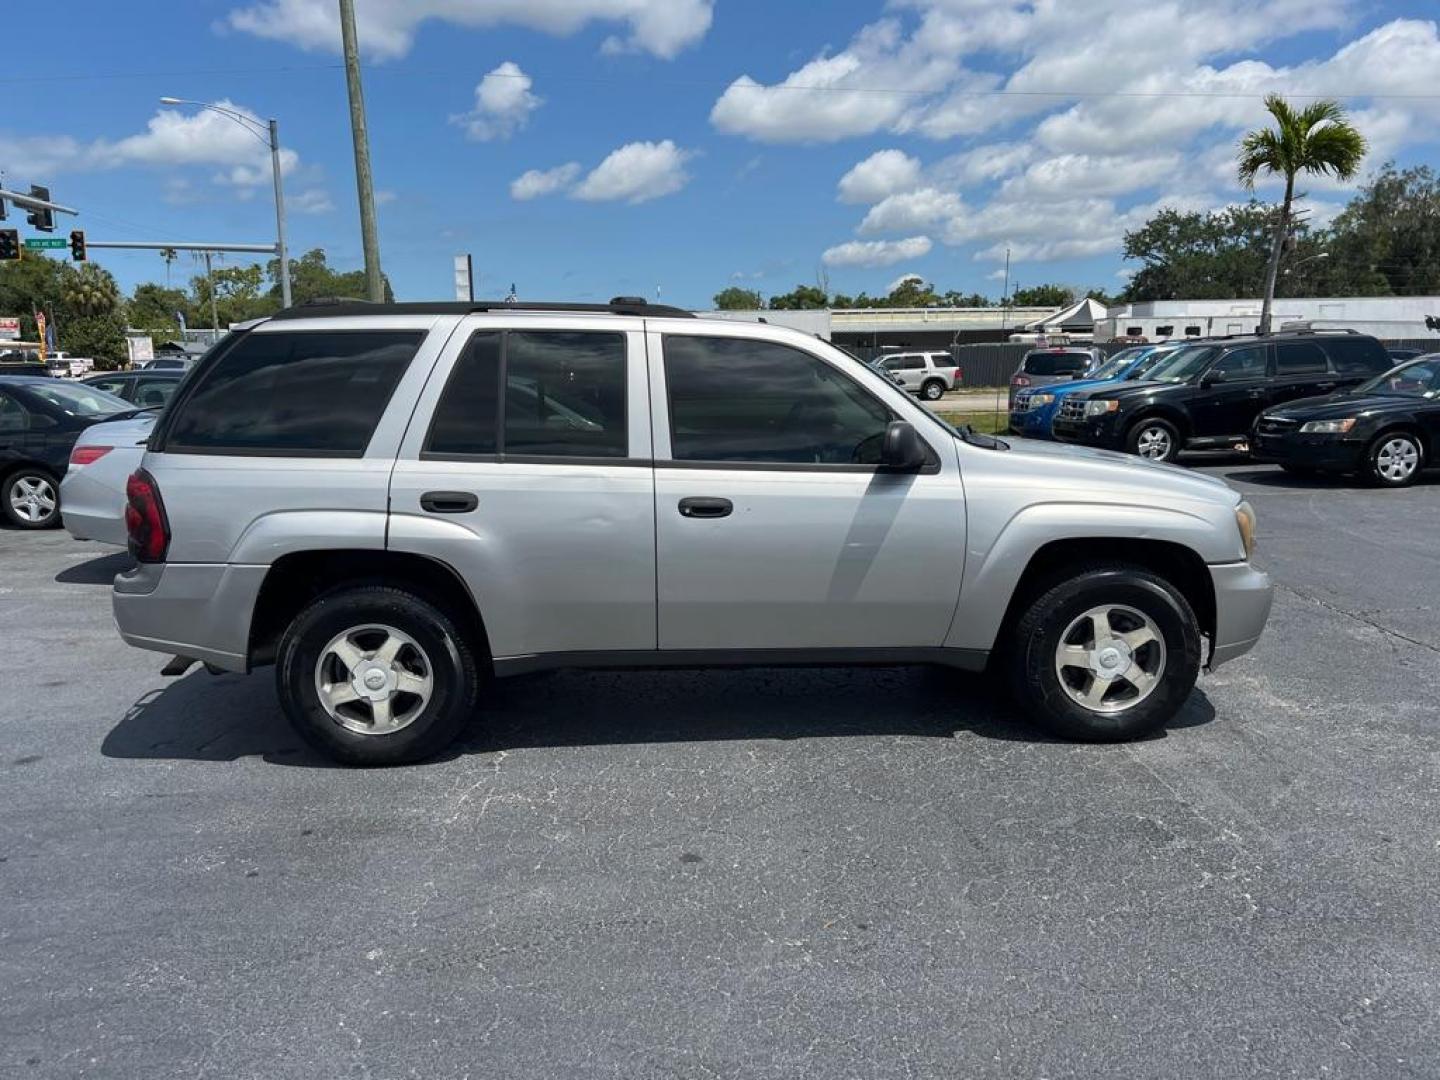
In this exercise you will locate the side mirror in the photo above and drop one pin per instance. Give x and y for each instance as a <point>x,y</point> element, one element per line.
<point>1077,375</point>
<point>902,450</point>
<point>1212,378</point>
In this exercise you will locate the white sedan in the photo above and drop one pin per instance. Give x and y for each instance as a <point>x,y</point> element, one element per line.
<point>92,495</point>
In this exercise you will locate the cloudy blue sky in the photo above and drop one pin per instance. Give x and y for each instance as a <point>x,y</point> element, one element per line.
<point>582,148</point>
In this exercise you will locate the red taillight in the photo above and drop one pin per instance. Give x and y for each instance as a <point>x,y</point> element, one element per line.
<point>85,455</point>
<point>145,521</point>
<point>1019,380</point>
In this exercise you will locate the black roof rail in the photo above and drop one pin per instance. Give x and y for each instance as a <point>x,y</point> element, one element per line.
<point>326,307</point>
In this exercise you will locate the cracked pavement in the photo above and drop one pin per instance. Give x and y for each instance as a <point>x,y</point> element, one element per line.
<point>871,873</point>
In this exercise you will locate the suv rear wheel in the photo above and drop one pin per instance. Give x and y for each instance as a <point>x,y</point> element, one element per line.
<point>374,675</point>
<point>1154,438</point>
<point>1110,653</point>
<point>932,390</point>
<point>30,498</point>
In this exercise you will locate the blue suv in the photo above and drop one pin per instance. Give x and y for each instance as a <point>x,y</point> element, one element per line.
<point>1033,410</point>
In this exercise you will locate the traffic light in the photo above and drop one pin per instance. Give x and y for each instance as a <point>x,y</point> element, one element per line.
<point>9,245</point>
<point>77,245</point>
<point>44,220</point>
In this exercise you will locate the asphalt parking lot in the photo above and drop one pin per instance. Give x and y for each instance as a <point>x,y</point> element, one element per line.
<point>873,874</point>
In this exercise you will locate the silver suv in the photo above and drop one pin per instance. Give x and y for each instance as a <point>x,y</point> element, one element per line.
<point>394,503</point>
<point>928,374</point>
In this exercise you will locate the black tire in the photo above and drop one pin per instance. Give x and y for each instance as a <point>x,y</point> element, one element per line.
<point>18,508</point>
<point>1149,431</point>
<point>932,390</point>
<point>442,650</point>
<point>1031,652</point>
<point>1395,459</point>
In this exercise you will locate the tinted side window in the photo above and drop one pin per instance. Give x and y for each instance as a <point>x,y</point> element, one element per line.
<point>467,416</point>
<point>754,401</point>
<point>151,393</point>
<point>300,392</point>
<point>1045,364</point>
<point>1357,355</point>
<point>1242,364</point>
<point>1299,358</point>
<point>565,394</point>
<point>13,416</point>
<point>113,386</point>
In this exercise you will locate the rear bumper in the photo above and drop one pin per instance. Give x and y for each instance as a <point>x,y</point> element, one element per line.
<point>91,509</point>
<point>1243,596</point>
<point>201,610</point>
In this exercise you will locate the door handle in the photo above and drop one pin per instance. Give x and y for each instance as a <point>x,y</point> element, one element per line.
<point>448,502</point>
<point>1257,393</point>
<point>701,507</point>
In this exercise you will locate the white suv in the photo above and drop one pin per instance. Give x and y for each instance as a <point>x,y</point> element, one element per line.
<point>394,503</point>
<point>928,374</point>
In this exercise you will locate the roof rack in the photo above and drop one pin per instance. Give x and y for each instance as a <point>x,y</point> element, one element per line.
<point>338,306</point>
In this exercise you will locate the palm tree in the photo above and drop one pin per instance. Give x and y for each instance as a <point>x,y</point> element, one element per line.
<point>1316,140</point>
<point>91,290</point>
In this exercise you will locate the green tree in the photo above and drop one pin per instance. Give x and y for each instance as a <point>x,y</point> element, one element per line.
<point>1315,140</point>
<point>153,307</point>
<point>1043,296</point>
<point>89,290</point>
<point>974,299</point>
<point>912,292</point>
<point>737,299</point>
<point>801,298</point>
<point>34,283</point>
<point>312,279</point>
<point>239,294</point>
<point>99,337</point>
<point>1386,242</point>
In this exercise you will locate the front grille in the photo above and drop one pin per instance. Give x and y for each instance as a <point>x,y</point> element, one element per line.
<point>1275,425</point>
<point>1021,403</point>
<point>1071,410</point>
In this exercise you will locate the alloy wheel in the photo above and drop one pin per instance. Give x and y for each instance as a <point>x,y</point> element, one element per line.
<point>32,498</point>
<point>374,679</point>
<point>1153,443</point>
<point>1111,658</point>
<point>1397,459</point>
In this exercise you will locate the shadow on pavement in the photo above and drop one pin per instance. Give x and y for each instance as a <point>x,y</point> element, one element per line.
<point>97,571</point>
<point>227,717</point>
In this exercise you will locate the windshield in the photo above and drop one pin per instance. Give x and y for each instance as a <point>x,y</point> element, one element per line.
<point>1118,363</point>
<point>1055,362</point>
<point>1183,364</point>
<point>81,400</point>
<point>1149,363</point>
<point>1417,378</point>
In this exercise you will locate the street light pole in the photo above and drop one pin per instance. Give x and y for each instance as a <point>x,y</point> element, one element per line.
<point>364,185</point>
<point>271,138</point>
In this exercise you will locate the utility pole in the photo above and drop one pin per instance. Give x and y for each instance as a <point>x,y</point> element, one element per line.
<point>1005,300</point>
<point>280,214</point>
<point>374,283</point>
<point>214,308</point>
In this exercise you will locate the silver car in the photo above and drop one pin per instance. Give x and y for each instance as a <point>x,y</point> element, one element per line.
<point>1061,363</point>
<point>92,494</point>
<point>392,504</point>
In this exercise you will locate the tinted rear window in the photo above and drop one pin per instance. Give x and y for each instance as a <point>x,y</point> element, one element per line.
<point>303,393</point>
<point>1357,355</point>
<point>1052,363</point>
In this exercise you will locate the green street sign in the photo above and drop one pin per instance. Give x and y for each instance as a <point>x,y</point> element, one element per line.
<point>45,243</point>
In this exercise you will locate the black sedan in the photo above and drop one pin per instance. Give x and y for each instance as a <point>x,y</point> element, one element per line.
<point>147,389</point>
<point>40,419</point>
<point>1387,429</point>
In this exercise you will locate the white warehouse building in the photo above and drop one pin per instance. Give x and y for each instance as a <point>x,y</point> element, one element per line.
<point>1387,317</point>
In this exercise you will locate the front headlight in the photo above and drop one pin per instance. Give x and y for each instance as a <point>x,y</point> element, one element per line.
<point>1245,519</point>
<point>1041,399</point>
<point>1327,427</point>
<point>1101,407</point>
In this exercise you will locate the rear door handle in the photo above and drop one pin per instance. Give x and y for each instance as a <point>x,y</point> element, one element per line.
<point>701,507</point>
<point>448,502</point>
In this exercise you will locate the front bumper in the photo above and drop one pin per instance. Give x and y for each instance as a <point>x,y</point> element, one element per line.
<point>1325,452</point>
<point>1103,431</point>
<point>201,610</point>
<point>1243,596</point>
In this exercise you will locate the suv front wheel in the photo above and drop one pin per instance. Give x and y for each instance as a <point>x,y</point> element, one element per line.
<point>374,675</point>
<point>933,390</point>
<point>1153,438</point>
<point>1110,653</point>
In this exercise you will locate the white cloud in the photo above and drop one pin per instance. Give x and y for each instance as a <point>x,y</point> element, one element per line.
<point>537,182</point>
<point>503,104</point>
<point>912,211</point>
<point>637,172</point>
<point>872,253</point>
<point>387,28</point>
<point>311,201</point>
<point>883,173</point>
<point>385,195</point>
<point>1075,138</point>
